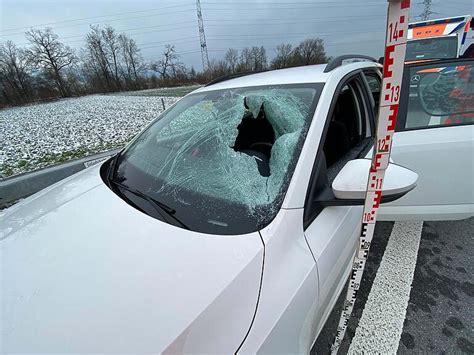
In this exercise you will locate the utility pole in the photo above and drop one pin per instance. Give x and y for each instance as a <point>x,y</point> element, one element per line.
<point>202,38</point>
<point>425,15</point>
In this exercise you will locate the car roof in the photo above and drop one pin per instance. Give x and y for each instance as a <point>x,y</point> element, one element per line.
<point>295,75</point>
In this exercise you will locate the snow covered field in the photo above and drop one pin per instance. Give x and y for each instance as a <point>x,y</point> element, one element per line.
<point>178,91</point>
<point>36,136</point>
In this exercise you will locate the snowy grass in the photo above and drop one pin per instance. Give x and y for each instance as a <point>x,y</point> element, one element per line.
<point>170,92</point>
<point>37,136</point>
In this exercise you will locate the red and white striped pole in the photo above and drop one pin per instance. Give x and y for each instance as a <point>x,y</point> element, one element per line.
<point>394,61</point>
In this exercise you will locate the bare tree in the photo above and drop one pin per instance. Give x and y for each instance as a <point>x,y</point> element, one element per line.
<point>231,58</point>
<point>50,55</point>
<point>284,56</point>
<point>258,58</point>
<point>15,72</point>
<point>192,74</point>
<point>217,68</point>
<point>96,62</point>
<point>102,57</point>
<point>252,59</point>
<point>112,61</point>
<point>169,65</point>
<point>245,60</point>
<point>112,46</point>
<point>132,59</point>
<point>310,51</point>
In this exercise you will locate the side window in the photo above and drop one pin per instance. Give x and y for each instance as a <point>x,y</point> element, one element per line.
<point>375,84</point>
<point>348,136</point>
<point>347,123</point>
<point>439,95</point>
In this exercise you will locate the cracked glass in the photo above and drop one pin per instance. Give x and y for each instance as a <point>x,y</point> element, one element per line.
<point>223,159</point>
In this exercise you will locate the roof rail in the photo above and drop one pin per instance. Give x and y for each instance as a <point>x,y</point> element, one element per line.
<point>339,61</point>
<point>233,76</point>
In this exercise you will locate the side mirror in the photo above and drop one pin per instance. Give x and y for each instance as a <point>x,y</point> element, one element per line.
<point>351,182</point>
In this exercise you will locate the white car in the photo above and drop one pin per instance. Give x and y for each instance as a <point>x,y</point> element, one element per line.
<point>228,225</point>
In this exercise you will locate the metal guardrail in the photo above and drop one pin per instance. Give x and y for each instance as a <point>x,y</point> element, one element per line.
<point>24,185</point>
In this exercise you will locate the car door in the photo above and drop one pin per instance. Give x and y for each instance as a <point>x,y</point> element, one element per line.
<point>332,232</point>
<point>435,138</point>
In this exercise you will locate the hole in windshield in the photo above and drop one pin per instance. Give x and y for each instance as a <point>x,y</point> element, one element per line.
<point>223,159</point>
<point>256,135</point>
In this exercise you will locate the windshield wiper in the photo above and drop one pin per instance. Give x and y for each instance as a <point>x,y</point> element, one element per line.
<point>112,167</point>
<point>160,207</point>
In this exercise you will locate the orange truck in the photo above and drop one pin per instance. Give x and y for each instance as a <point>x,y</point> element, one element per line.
<point>445,38</point>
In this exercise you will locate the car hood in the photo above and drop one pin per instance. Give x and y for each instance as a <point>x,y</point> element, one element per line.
<point>82,271</point>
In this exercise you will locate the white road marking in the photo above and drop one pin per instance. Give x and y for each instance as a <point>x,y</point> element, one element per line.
<point>381,324</point>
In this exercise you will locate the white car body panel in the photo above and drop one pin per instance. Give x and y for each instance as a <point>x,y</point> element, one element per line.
<point>333,238</point>
<point>286,316</point>
<point>444,160</point>
<point>292,307</point>
<point>117,280</point>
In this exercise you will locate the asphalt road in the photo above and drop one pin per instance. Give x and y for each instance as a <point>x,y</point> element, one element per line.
<point>439,317</point>
<point>440,314</point>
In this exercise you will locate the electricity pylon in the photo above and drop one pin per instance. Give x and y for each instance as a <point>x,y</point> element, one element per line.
<point>202,38</point>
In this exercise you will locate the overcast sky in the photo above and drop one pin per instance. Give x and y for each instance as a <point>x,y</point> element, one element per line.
<point>346,26</point>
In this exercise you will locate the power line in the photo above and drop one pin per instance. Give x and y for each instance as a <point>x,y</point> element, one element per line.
<point>170,41</point>
<point>113,20</point>
<point>278,8</point>
<point>266,22</point>
<point>83,36</point>
<point>257,22</point>
<point>251,36</point>
<point>314,3</point>
<point>161,46</point>
<point>168,29</point>
<point>225,23</point>
<point>457,2</point>
<point>286,35</point>
<point>93,17</point>
<point>143,28</point>
<point>260,19</point>
<point>327,4</point>
<point>458,8</point>
<point>244,37</point>
<point>263,21</point>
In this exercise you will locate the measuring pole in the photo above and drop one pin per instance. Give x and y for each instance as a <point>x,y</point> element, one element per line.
<point>394,61</point>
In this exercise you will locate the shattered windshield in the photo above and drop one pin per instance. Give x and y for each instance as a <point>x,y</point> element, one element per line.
<point>222,159</point>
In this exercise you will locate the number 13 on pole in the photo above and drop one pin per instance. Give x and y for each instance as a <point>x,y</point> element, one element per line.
<point>394,60</point>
